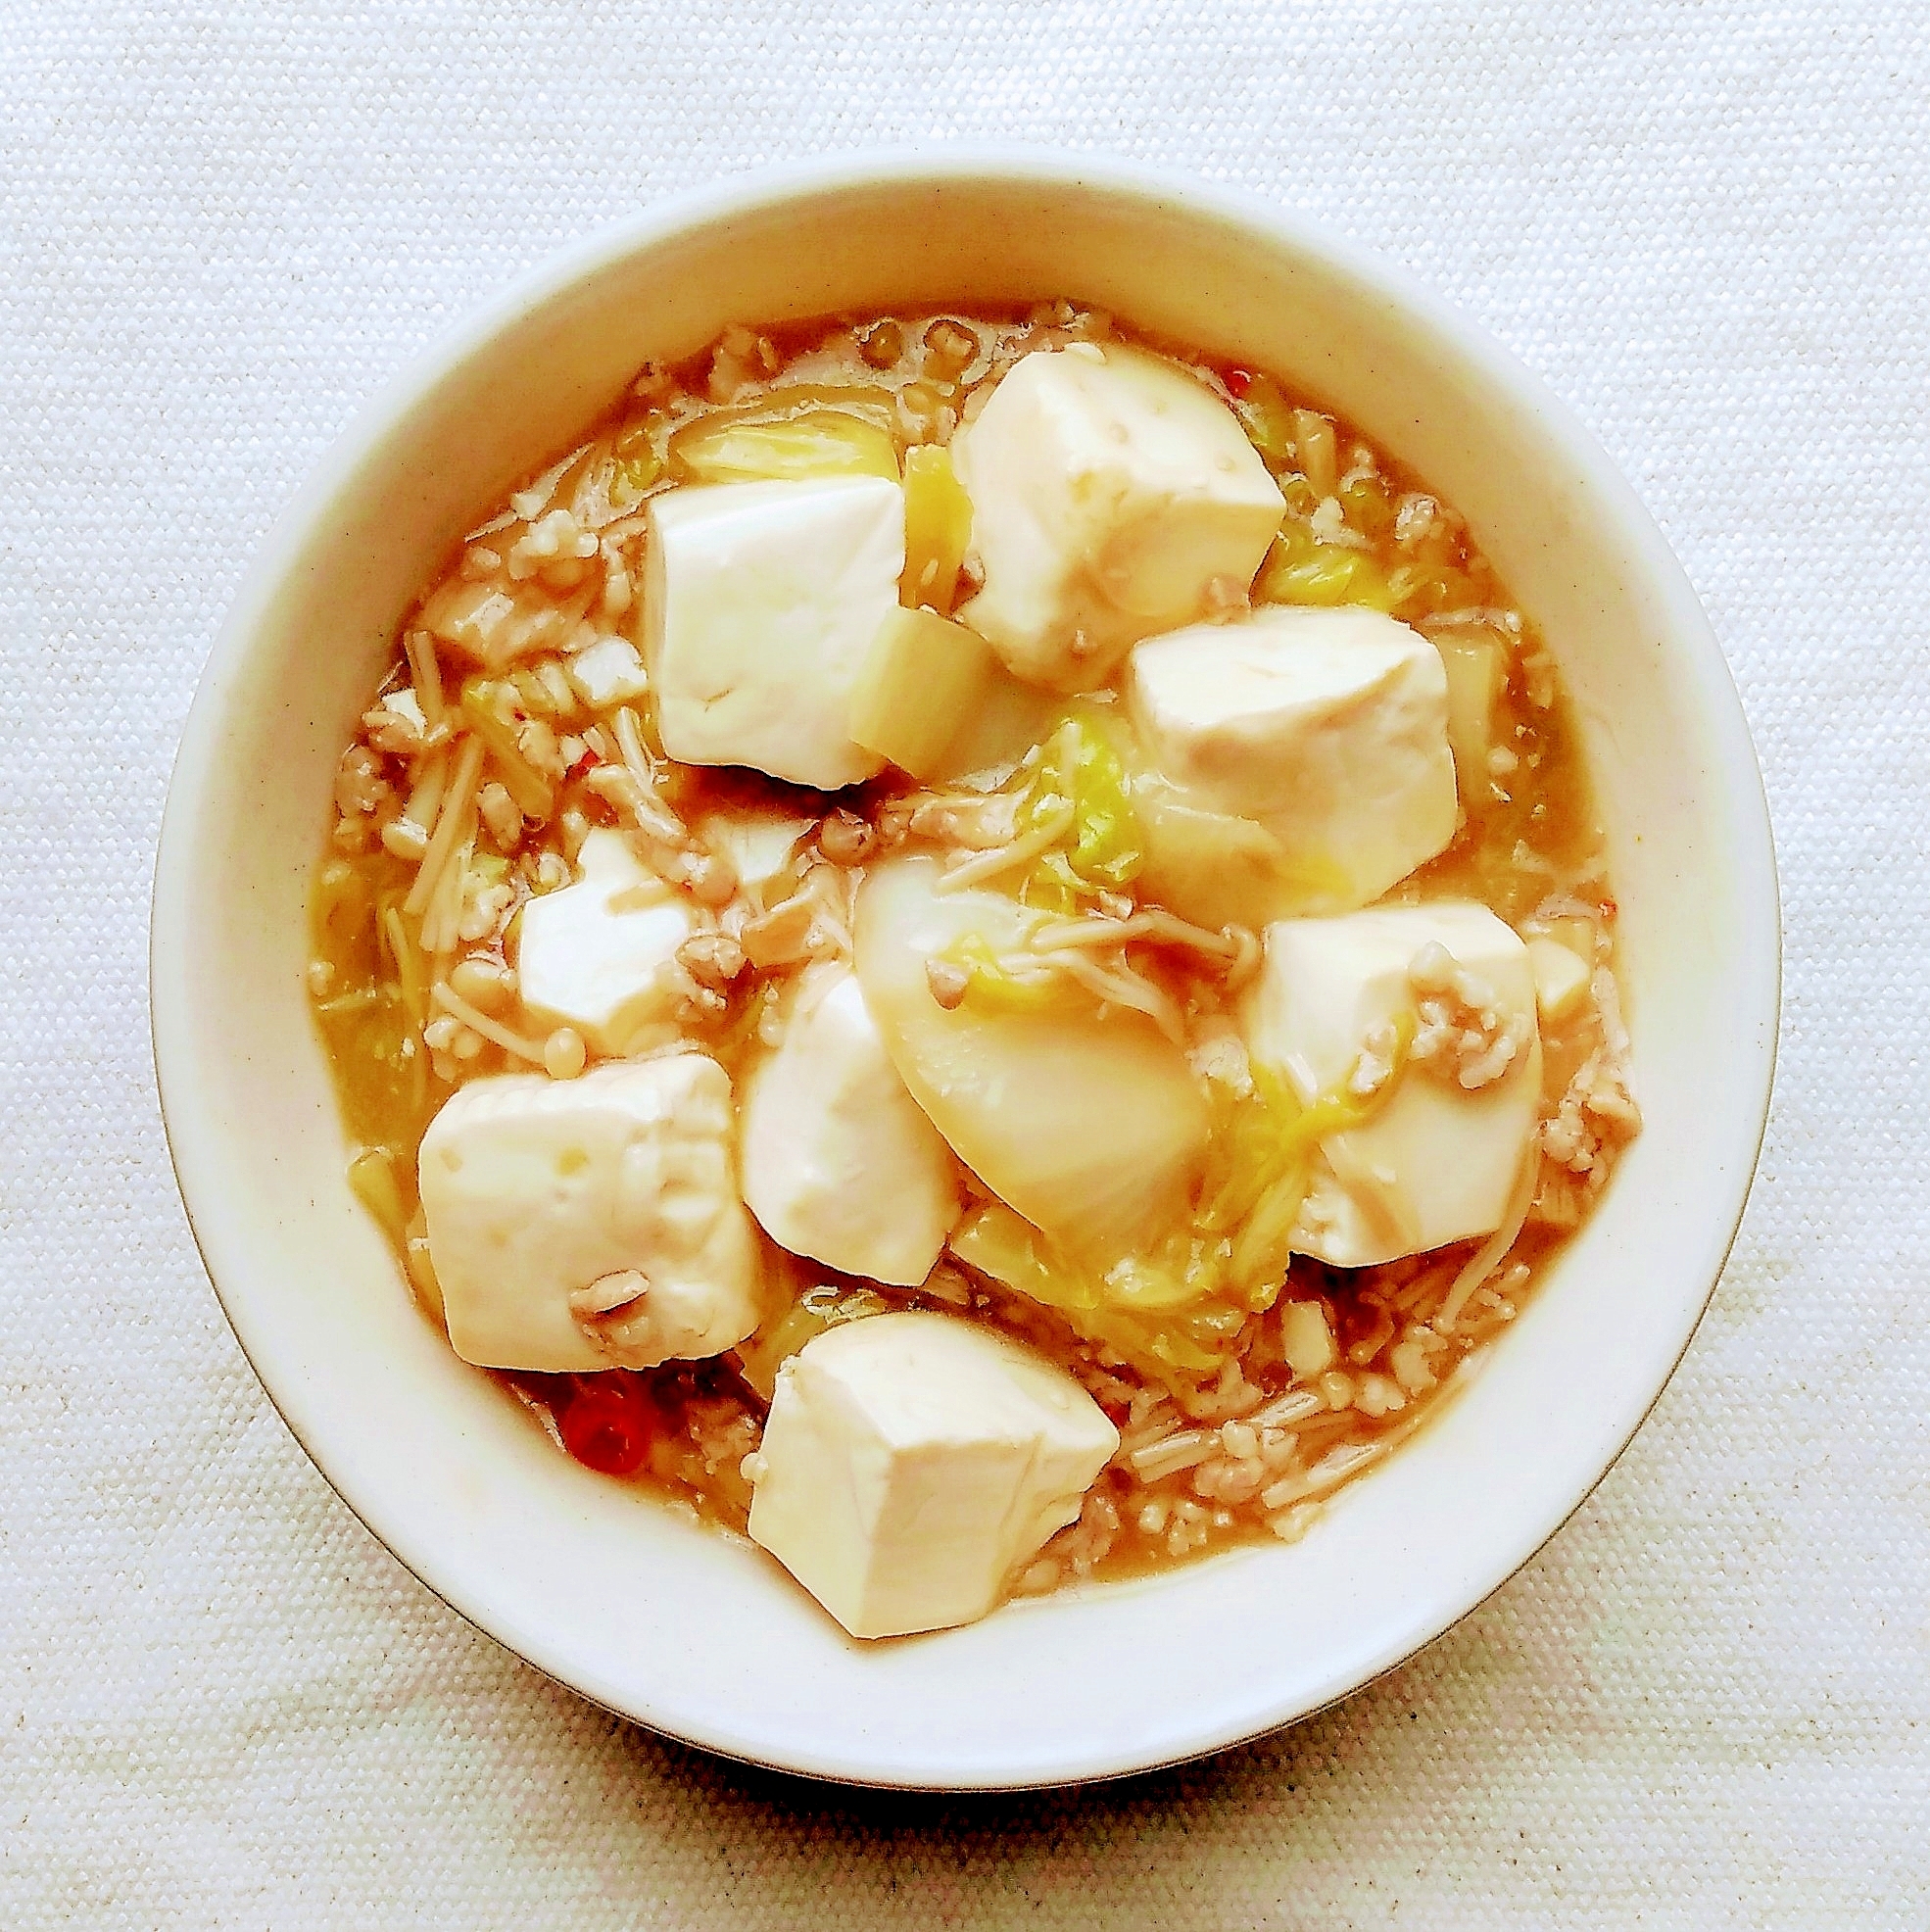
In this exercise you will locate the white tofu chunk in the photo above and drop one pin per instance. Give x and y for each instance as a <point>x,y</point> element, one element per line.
<point>1561,979</point>
<point>760,603</point>
<point>537,1189</point>
<point>492,625</point>
<point>1438,1161</point>
<point>601,955</point>
<point>1327,727</point>
<point>1113,496</point>
<point>759,842</point>
<point>609,672</point>
<point>406,706</point>
<point>840,1162</point>
<point>912,1462</point>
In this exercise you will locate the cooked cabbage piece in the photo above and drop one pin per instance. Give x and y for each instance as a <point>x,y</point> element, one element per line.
<point>1089,1124</point>
<point>817,443</point>
<point>922,679</point>
<point>937,529</point>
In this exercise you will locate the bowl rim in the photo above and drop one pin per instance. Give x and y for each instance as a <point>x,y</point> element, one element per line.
<point>196,1161</point>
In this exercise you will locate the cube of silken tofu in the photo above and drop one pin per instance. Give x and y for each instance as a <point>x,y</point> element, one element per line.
<point>607,672</point>
<point>601,955</point>
<point>760,603</point>
<point>1113,496</point>
<point>1561,979</point>
<point>493,624</point>
<point>1438,1162</point>
<point>1329,727</point>
<point>535,1191</point>
<point>840,1162</point>
<point>913,1460</point>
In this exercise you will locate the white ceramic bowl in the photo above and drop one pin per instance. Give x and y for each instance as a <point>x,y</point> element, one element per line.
<point>698,1635</point>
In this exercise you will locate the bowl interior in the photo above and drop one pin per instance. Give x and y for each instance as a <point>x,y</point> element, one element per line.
<point>695,1633</point>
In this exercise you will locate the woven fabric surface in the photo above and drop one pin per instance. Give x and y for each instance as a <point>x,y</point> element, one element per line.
<point>1705,1704</point>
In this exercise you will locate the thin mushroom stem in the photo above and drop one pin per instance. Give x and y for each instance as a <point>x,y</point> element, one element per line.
<point>476,1020</point>
<point>1224,947</point>
<point>1120,985</point>
<point>1002,858</point>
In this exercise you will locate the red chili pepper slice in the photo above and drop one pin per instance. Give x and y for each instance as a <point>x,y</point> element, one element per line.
<point>605,1422</point>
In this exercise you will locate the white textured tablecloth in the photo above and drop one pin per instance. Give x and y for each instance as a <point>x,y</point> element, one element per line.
<point>1706,1704</point>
